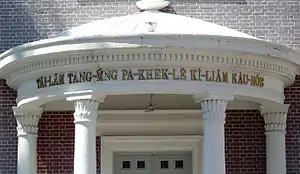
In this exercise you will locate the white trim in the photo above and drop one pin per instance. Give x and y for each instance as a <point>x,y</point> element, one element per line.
<point>111,144</point>
<point>136,40</point>
<point>29,96</point>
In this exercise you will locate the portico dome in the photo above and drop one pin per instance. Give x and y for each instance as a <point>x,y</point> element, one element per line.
<point>152,22</point>
<point>149,52</point>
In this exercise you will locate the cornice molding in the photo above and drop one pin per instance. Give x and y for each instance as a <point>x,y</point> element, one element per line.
<point>42,55</point>
<point>47,65</point>
<point>267,48</point>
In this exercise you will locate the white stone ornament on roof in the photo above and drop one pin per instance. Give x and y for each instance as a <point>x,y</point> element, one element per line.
<point>152,4</point>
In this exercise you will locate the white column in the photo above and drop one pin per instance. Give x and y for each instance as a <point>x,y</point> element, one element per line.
<point>213,110</point>
<point>27,127</point>
<point>275,126</point>
<point>85,119</point>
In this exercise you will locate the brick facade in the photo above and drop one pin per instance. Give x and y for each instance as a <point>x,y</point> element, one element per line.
<point>27,20</point>
<point>8,132</point>
<point>245,142</point>
<point>23,21</point>
<point>56,143</point>
<point>292,95</point>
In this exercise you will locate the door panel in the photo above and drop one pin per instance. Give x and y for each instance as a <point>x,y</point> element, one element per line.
<point>153,163</point>
<point>133,164</point>
<point>173,164</point>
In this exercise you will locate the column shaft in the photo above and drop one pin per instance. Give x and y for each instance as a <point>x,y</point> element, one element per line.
<point>214,148</point>
<point>275,125</point>
<point>276,158</point>
<point>85,116</point>
<point>27,128</point>
<point>85,148</point>
<point>27,161</point>
<point>214,154</point>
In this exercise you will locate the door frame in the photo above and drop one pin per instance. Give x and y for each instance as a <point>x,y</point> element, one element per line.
<point>112,144</point>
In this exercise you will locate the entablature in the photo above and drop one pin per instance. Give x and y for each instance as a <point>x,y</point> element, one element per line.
<point>151,58</point>
<point>268,66</point>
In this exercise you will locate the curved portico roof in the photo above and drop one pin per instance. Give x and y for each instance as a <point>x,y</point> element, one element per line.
<point>145,40</point>
<point>153,22</point>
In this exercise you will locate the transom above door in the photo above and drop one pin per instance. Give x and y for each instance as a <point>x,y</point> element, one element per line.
<point>153,163</point>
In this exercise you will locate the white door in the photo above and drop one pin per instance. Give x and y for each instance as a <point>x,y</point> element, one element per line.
<point>153,163</point>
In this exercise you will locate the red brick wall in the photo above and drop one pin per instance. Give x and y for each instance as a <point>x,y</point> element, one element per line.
<point>8,133</point>
<point>56,143</point>
<point>244,136</point>
<point>245,142</point>
<point>292,97</point>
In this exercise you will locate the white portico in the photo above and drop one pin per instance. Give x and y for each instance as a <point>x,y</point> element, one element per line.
<point>150,83</point>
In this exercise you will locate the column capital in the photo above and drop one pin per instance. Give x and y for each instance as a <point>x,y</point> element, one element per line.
<point>274,107</point>
<point>86,110</point>
<point>275,116</point>
<point>27,120</point>
<point>214,109</point>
